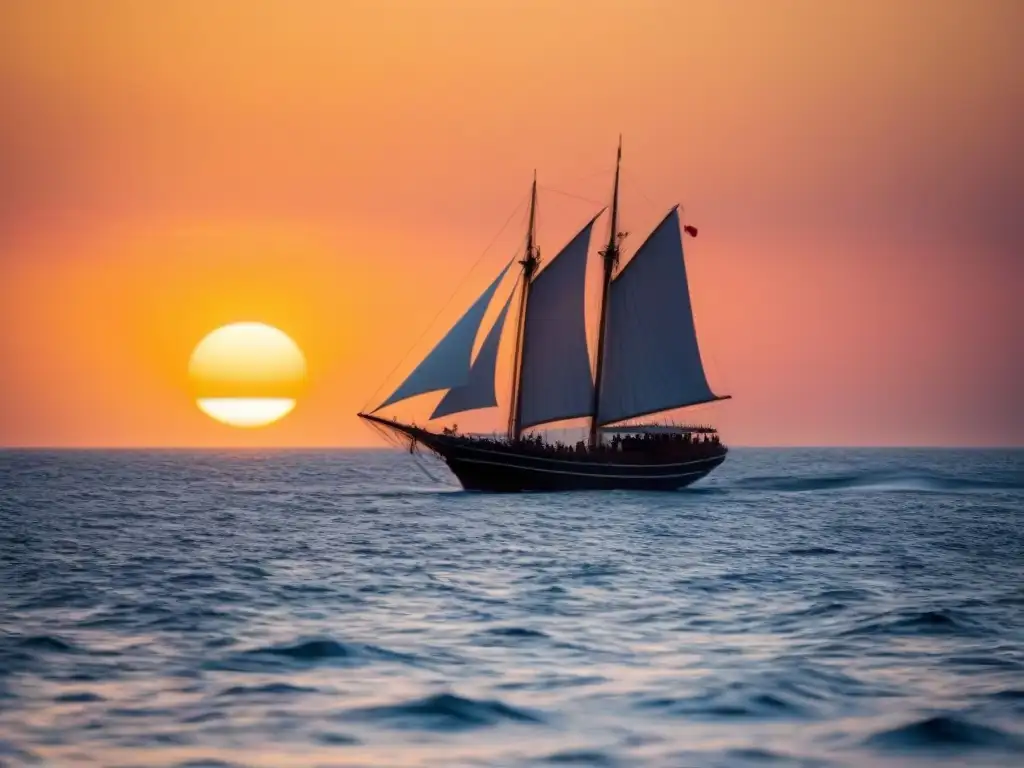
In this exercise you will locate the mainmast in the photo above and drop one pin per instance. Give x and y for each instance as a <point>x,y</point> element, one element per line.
<point>611,260</point>
<point>531,259</point>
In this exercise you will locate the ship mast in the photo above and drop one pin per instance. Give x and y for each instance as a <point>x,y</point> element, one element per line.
<point>529,263</point>
<point>611,260</point>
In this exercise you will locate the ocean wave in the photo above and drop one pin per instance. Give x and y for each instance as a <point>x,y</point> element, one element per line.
<point>796,689</point>
<point>308,652</point>
<point>554,682</point>
<point>516,632</point>
<point>445,711</point>
<point>736,701</point>
<point>333,739</point>
<point>314,649</point>
<point>79,697</point>
<point>587,757</point>
<point>983,663</point>
<point>21,653</point>
<point>812,551</point>
<point>1010,694</point>
<point>411,492</point>
<point>847,594</point>
<point>62,597</point>
<point>903,622</point>
<point>944,732</point>
<point>756,756</point>
<point>270,689</point>
<point>12,751</point>
<point>48,644</point>
<point>876,481</point>
<point>818,610</point>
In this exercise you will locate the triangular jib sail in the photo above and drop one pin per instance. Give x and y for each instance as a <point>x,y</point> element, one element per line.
<point>478,391</point>
<point>652,359</point>
<point>448,363</point>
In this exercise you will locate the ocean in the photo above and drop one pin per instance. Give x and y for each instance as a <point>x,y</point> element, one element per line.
<point>299,608</point>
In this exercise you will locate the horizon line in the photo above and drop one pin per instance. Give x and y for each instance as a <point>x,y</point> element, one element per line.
<point>748,446</point>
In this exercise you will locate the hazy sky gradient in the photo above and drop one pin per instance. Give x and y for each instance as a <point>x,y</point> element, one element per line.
<point>335,168</point>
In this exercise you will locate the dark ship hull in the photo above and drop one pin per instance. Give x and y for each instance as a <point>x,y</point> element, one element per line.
<point>495,467</point>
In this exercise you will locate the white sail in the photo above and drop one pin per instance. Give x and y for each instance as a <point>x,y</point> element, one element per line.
<point>555,379</point>
<point>448,363</point>
<point>651,357</point>
<point>478,391</point>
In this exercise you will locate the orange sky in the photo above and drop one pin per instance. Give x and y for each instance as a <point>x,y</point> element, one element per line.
<point>335,168</point>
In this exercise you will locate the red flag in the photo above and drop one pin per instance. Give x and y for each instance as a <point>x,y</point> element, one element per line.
<point>691,231</point>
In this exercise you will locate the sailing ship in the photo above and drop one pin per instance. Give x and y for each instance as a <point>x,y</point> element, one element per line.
<point>647,361</point>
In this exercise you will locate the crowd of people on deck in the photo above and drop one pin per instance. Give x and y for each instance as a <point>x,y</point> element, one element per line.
<point>629,447</point>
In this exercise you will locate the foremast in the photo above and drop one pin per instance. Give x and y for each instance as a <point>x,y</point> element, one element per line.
<point>611,259</point>
<point>529,263</point>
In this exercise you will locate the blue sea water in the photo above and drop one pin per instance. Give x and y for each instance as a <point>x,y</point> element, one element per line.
<point>797,608</point>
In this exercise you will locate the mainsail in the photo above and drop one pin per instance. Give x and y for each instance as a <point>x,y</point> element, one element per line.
<point>478,391</point>
<point>652,360</point>
<point>448,364</point>
<point>555,378</point>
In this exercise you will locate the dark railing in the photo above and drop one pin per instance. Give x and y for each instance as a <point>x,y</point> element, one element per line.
<point>661,447</point>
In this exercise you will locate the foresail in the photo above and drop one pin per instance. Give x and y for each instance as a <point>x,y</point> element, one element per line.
<point>555,378</point>
<point>448,363</point>
<point>652,359</point>
<point>478,391</point>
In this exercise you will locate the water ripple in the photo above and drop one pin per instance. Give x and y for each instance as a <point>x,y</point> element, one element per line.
<point>942,732</point>
<point>444,711</point>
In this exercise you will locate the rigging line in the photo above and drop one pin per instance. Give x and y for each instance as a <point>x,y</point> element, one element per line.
<point>458,288</point>
<point>636,188</point>
<point>570,194</point>
<point>419,463</point>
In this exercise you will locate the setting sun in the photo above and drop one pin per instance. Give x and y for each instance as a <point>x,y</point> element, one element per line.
<point>247,374</point>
